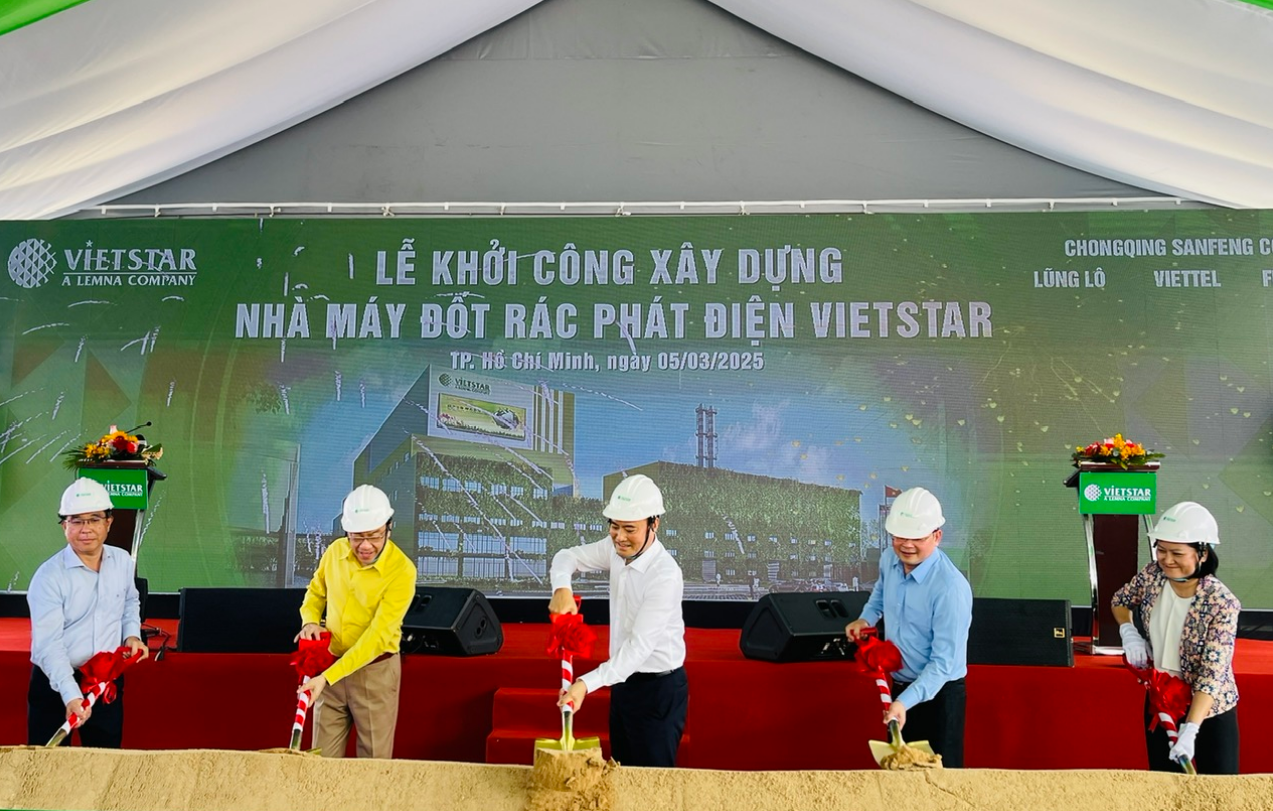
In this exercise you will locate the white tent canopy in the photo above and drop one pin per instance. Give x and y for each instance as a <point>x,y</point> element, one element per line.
<point>112,96</point>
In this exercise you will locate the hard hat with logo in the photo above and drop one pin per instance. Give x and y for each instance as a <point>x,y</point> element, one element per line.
<point>84,496</point>
<point>1186,522</point>
<point>634,498</point>
<point>914,514</point>
<point>366,508</point>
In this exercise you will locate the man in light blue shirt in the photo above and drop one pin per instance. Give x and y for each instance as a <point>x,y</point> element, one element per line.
<point>83,600</point>
<point>926,604</point>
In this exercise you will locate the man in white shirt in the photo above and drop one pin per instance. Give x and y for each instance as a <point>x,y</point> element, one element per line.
<point>83,601</point>
<point>649,693</point>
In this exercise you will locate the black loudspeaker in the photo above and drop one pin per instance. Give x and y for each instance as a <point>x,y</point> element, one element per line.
<point>801,626</point>
<point>451,622</point>
<point>1020,632</point>
<point>247,620</point>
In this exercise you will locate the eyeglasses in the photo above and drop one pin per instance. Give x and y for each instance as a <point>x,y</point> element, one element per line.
<point>373,538</point>
<point>897,541</point>
<point>92,522</point>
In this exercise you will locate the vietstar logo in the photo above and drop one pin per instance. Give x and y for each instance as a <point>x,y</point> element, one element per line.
<point>475,386</point>
<point>130,490</point>
<point>33,262</point>
<point>1092,492</point>
<point>1132,494</point>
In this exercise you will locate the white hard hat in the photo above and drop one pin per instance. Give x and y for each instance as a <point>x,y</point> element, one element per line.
<point>84,496</point>
<point>366,508</point>
<point>1186,522</point>
<point>914,514</point>
<point>634,498</point>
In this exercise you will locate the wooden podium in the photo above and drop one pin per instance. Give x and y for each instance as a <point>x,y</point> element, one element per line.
<point>1114,503</point>
<point>130,485</point>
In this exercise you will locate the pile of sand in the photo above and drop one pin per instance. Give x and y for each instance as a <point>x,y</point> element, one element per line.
<point>908,757</point>
<point>571,781</point>
<point>74,779</point>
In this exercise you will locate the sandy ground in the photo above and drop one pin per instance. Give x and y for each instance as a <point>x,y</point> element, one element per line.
<point>73,779</point>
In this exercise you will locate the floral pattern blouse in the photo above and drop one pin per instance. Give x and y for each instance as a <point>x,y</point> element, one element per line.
<point>1207,640</point>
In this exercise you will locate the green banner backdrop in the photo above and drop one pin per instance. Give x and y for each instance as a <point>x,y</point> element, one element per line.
<point>778,375</point>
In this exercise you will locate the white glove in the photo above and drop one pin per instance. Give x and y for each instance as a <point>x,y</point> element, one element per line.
<point>1183,748</point>
<point>1135,648</point>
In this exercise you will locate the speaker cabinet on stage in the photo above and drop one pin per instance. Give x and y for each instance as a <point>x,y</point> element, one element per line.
<point>1020,632</point>
<point>239,620</point>
<point>800,626</point>
<point>451,622</point>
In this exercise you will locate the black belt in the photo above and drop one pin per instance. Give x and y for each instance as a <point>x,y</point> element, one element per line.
<point>899,686</point>
<point>640,677</point>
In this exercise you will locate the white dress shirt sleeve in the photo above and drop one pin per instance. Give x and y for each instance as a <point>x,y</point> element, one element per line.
<point>592,557</point>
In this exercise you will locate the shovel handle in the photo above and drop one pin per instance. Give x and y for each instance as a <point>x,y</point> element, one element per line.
<point>886,695</point>
<point>1169,726</point>
<point>568,673</point>
<point>298,722</point>
<point>90,698</point>
<point>895,734</point>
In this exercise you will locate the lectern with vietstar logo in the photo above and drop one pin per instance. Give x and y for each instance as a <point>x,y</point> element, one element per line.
<point>1114,502</point>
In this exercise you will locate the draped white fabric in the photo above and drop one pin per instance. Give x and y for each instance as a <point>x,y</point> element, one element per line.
<point>1170,95</point>
<point>116,95</point>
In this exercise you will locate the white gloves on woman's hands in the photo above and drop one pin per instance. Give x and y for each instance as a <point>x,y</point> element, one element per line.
<point>1183,748</point>
<point>1135,648</point>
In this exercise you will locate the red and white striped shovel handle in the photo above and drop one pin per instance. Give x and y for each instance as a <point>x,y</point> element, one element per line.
<point>886,695</point>
<point>567,677</point>
<point>90,698</point>
<point>302,709</point>
<point>1169,724</point>
<point>568,667</point>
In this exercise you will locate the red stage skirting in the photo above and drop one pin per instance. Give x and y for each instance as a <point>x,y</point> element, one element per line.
<point>742,715</point>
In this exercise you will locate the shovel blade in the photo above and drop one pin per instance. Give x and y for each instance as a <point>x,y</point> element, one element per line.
<point>567,744</point>
<point>882,749</point>
<point>551,744</point>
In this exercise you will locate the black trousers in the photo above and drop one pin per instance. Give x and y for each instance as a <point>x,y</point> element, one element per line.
<point>940,721</point>
<point>647,717</point>
<point>46,713</point>
<point>1215,748</point>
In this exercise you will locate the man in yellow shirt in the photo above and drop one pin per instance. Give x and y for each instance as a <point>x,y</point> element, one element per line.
<point>366,584</point>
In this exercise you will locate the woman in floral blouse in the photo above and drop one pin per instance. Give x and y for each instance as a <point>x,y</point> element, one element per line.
<point>1192,621</point>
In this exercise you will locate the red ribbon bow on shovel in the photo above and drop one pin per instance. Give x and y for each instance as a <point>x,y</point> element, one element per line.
<point>312,657</point>
<point>877,658</point>
<point>1169,699</point>
<point>97,680</point>
<point>569,635</point>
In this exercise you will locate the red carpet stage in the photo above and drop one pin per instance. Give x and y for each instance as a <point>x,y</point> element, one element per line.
<point>743,714</point>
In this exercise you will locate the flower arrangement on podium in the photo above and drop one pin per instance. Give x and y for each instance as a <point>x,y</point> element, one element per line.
<point>1115,450</point>
<point>114,446</point>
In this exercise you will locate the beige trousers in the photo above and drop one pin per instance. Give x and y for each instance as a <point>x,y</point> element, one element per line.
<point>366,700</point>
